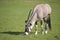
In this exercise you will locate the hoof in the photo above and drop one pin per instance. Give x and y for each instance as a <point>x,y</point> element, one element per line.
<point>35,33</point>
<point>46,32</point>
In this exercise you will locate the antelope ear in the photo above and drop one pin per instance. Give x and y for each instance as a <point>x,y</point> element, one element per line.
<point>25,21</point>
<point>30,24</point>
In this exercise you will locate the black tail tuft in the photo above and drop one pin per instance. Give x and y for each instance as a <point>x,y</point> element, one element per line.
<point>49,22</point>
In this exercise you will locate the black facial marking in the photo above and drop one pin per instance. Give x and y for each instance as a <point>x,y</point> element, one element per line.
<point>26,30</point>
<point>30,24</point>
<point>25,21</point>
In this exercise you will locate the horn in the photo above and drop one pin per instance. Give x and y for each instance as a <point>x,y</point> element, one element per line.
<point>29,14</point>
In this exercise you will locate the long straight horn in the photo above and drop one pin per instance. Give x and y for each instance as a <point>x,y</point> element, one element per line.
<point>29,14</point>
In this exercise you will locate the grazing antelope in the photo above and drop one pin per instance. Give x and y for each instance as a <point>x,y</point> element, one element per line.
<point>41,12</point>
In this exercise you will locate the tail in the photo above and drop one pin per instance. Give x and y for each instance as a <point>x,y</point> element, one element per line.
<point>49,22</point>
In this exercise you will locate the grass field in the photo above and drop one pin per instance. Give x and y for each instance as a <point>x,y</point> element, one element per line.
<point>13,13</point>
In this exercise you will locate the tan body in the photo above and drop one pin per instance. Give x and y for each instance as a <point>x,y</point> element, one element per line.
<point>40,11</point>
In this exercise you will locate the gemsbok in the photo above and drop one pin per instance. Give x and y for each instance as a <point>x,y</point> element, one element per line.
<point>41,12</point>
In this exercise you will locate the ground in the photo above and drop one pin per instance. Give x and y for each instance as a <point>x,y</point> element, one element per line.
<point>13,14</point>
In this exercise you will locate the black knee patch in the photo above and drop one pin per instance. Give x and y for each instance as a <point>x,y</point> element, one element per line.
<point>41,22</point>
<point>36,23</point>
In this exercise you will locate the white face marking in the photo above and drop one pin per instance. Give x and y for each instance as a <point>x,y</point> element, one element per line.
<point>28,29</point>
<point>26,33</point>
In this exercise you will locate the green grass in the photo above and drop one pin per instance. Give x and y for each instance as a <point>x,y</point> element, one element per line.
<point>13,13</point>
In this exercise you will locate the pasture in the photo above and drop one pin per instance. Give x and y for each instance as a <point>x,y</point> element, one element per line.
<point>13,14</point>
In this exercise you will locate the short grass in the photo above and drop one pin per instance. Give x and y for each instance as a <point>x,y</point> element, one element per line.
<point>13,13</point>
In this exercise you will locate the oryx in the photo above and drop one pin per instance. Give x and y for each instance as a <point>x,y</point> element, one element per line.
<point>41,12</point>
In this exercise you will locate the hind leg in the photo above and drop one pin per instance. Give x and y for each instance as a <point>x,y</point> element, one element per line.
<point>46,25</point>
<point>48,21</point>
<point>42,26</point>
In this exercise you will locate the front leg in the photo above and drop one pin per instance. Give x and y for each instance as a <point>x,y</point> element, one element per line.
<point>36,30</point>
